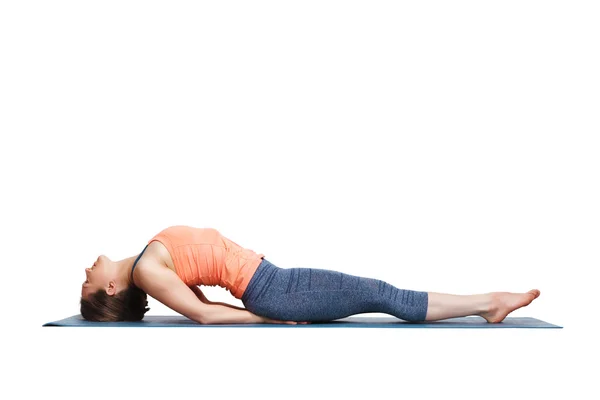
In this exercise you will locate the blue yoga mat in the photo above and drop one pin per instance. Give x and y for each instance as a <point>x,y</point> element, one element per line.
<point>179,321</point>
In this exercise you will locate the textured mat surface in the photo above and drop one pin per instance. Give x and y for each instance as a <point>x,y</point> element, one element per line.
<point>177,321</point>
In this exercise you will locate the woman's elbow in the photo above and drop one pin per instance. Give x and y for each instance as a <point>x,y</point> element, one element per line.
<point>200,318</point>
<point>202,314</point>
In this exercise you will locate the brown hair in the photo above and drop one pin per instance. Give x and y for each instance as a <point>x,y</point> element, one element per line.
<point>127,305</point>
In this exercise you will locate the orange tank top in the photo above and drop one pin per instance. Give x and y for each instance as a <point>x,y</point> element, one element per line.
<point>202,256</point>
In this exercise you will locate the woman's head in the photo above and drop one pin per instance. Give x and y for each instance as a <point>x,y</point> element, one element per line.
<point>108,294</point>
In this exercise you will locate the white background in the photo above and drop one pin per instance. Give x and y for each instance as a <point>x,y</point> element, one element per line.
<point>439,146</point>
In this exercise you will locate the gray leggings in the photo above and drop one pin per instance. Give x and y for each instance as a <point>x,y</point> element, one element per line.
<point>310,294</point>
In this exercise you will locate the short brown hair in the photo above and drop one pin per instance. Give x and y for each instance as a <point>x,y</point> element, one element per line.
<point>127,305</point>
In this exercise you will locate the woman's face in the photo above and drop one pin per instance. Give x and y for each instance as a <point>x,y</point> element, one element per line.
<point>96,276</point>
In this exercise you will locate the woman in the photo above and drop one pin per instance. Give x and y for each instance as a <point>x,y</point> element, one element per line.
<point>179,258</point>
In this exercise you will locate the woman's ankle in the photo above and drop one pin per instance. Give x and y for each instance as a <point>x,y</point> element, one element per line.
<point>483,303</point>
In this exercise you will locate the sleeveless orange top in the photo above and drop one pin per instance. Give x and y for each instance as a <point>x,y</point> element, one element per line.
<point>202,256</point>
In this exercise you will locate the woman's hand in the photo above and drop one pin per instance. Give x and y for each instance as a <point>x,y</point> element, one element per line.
<point>265,320</point>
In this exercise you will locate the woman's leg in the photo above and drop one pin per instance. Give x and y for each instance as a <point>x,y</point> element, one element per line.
<point>309,294</point>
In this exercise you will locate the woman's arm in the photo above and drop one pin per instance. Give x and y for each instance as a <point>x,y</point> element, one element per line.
<point>165,286</point>
<point>203,298</point>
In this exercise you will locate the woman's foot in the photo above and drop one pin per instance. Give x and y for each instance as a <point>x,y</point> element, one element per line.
<point>503,303</point>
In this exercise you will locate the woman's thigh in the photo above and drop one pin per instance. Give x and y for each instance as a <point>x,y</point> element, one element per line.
<point>312,294</point>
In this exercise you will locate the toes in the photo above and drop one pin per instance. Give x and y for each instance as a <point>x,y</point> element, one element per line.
<point>534,292</point>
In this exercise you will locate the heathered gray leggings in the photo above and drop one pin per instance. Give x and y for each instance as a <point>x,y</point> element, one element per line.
<point>310,294</point>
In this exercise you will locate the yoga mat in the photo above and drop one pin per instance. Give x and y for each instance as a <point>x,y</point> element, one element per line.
<point>179,321</point>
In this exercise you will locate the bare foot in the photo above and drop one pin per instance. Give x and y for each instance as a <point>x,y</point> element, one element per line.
<point>503,303</point>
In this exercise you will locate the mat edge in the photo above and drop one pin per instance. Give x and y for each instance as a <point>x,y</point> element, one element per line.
<point>324,325</point>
